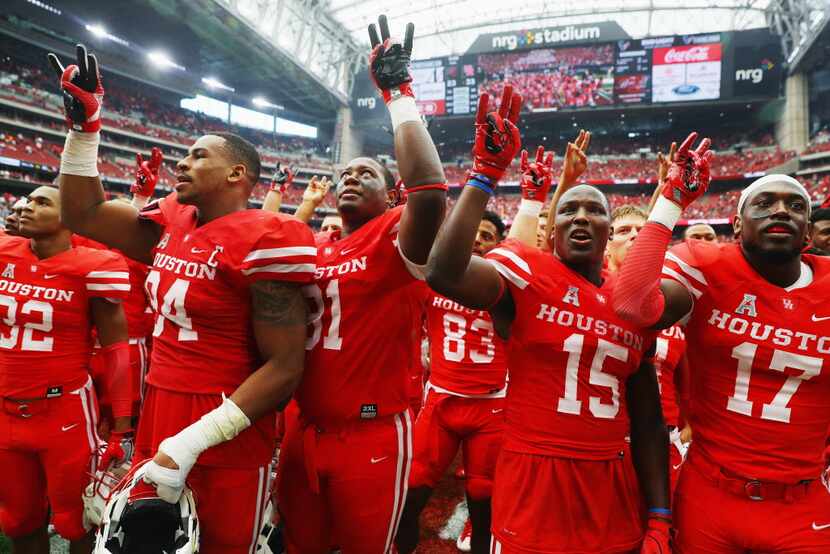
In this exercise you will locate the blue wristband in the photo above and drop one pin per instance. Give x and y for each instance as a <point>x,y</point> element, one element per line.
<point>481,182</point>
<point>660,511</point>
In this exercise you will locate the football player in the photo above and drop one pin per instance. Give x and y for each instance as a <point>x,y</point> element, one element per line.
<point>12,223</point>
<point>577,387</point>
<point>700,231</point>
<point>331,223</point>
<point>225,283</point>
<point>820,231</point>
<point>759,338</point>
<point>51,295</point>
<point>345,458</point>
<point>669,347</point>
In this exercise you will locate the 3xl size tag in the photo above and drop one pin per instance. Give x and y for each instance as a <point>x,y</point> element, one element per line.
<point>368,411</point>
<point>54,392</point>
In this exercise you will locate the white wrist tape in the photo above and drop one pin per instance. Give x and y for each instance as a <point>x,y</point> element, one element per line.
<point>80,154</point>
<point>530,208</point>
<point>217,426</point>
<point>139,201</point>
<point>402,110</point>
<point>665,212</point>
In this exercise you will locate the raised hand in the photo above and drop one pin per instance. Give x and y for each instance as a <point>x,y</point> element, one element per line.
<point>537,176</point>
<point>282,179</point>
<point>688,175</point>
<point>316,190</point>
<point>389,60</point>
<point>147,173</point>
<point>576,159</point>
<point>663,163</point>
<point>83,93</point>
<point>497,139</point>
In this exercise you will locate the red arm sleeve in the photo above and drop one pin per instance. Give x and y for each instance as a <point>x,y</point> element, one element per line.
<point>637,296</point>
<point>119,383</point>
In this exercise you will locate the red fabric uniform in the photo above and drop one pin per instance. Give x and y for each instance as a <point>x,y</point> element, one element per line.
<point>761,405</point>
<point>465,397</point>
<point>569,357</point>
<point>346,457</point>
<point>669,352</point>
<point>49,413</point>
<point>417,371</point>
<point>203,346</point>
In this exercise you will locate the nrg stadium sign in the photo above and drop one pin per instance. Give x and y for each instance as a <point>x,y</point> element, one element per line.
<point>605,31</point>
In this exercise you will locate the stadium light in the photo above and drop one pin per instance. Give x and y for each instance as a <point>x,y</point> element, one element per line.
<point>163,60</point>
<point>212,82</point>
<point>261,102</point>
<point>97,30</point>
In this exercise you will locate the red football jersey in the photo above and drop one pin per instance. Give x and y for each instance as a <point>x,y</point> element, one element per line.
<point>136,307</point>
<point>360,341</point>
<point>669,347</point>
<point>761,391</point>
<point>569,357</point>
<point>466,356</point>
<point>199,287</point>
<point>45,325</point>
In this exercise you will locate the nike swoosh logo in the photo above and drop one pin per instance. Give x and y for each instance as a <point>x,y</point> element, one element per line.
<point>68,427</point>
<point>817,319</point>
<point>197,251</point>
<point>498,411</point>
<point>820,527</point>
<point>376,460</point>
<point>676,467</point>
<point>49,276</point>
<point>346,251</point>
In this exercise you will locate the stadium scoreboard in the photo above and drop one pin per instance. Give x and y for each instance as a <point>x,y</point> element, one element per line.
<point>589,73</point>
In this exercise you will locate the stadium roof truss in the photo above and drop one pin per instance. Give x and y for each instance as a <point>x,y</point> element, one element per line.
<point>452,25</point>
<point>304,32</point>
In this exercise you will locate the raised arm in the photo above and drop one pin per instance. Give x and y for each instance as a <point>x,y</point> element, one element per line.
<point>639,295</point>
<point>573,166</point>
<point>282,179</point>
<point>418,163</point>
<point>84,208</point>
<point>313,197</point>
<point>451,270</point>
<point>536,180</point>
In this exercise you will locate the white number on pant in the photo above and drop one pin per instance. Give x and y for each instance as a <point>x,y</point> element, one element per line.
<point>332,340</point>
<point>172,306</point>
<point>29,342</point>
<point>455,347</point>
<point>569,404</point>
<point>777,410</point>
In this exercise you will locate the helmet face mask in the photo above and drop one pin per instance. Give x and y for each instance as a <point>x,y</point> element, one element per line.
<point>99,490</point>
<point>137,521</point>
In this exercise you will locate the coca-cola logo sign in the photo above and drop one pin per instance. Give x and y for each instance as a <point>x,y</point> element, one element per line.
<point>697,53</point>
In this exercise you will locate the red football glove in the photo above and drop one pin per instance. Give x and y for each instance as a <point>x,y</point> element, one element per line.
<point>82,91</point>
<point>389,61</point>
<point>537,177</point>
<point>282,179</point>
<point>497,138</point>
<point>658,537</point>
<point>147,173</point>
<point>688,176</point>
<point>119,450</point>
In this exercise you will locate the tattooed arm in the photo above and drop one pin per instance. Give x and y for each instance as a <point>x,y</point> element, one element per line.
<point>279,322</point>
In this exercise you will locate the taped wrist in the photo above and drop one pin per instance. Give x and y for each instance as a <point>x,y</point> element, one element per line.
<point>116,360</point>
<point>80,154</point>
<point>665,212</point>
<point>217,426</point>
<point>637,295</point>
<point>530,208</point>
<point>402,110</point>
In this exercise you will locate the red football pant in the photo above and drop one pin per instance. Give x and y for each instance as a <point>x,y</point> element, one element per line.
<point>139,361</point>
<point>230,501</point>
<point>46,461</point>
<point>711,520</point>
<point>446,421</point>
<point>343,488</point>
<point>560,505</point>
